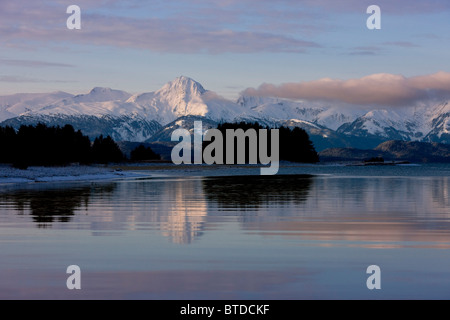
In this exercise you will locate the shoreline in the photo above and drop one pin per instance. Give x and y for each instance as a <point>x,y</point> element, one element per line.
<point>120,171</point>
<point>71,173</point>
<point>80,173</point>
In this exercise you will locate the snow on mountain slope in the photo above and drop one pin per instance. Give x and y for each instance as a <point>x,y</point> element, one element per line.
<point>185,122</point>
<point>334,117</point>
<point>446,128</point>
<point>253,102</point>
<point>287,110</point>
<point>14,105</point>
<point>282,109</point>
<point>120,113</point>
<point>99,94</point>
<point>5,114</point>
<point>220,109</point>
<point>99,101</point>
<point>377,120</point>
<point>178,98</point>
<point>420,123</point>
<point>113,108</point>
<point>123,128</point>
<point>439,121</point>
<point>184,97</point>
<point>141,98</point>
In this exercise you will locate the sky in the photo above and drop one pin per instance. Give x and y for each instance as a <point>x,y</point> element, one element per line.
<point>297,49</point>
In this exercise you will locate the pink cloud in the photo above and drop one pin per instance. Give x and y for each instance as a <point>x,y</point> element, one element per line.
<point>195,26</point>
<point>33,63</point>
<point>208,33</point>
<point>381,89</point>
<point>398,7</point>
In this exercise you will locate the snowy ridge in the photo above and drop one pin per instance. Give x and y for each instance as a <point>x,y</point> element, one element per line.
<point>22,103</point>
<point>138,117</point>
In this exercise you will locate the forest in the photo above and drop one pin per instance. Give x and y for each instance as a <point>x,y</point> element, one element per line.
<point>41,145</point>
<point>295,145</point>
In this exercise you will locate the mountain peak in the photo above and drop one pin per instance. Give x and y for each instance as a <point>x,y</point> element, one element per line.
<point>100,94</point>
<point>254,101</point>
<point>184,86</point>
<point>100,90</point>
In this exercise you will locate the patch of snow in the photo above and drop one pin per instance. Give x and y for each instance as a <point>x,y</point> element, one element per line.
<point>70,173</point>
<point>305,122</point>
<point>446,127</point>
<point>186,97</point>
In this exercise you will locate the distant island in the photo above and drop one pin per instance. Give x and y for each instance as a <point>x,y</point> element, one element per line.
<point>394,150</point>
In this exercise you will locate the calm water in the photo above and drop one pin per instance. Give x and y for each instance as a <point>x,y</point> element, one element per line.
<point>241,237</point>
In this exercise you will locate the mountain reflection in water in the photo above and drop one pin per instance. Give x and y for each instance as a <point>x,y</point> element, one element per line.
<point>50,204</point>
<point>355,211</point>
<point>252,192</point>
<point>239,237</point>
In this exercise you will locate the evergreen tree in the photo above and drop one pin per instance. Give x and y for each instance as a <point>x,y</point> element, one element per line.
<point>8,144</point>
<point>105,150</point>
<point>295,145</point>
<point>142,153</point>
<point>46,146</point>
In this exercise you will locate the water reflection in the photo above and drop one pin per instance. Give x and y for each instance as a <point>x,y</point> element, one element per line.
<point>175,207</point>
<point>360,211</point>
<point>370,212</point>
<point>285,237</point>
<point>440,191</point>
<point>47,205</point>
<point>253,192</point>
<point>182,219</point>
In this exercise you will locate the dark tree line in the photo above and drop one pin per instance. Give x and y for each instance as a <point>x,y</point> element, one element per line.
<point>142,153</point>
<point>295,145</point>
<point>41,145</point>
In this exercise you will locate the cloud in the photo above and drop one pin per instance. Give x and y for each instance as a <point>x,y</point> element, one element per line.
<point>365,51</point>
<point>21,79</point>
<point>362,53</point>
<point>381,89</point>
<point>33,63</point>
<point>18,79</point>
<point>403,44</point>
<point>156,36</point>
<point>397,7</point>
<point>214,31</point>
<point>194,26</point>
<point>376,50</point>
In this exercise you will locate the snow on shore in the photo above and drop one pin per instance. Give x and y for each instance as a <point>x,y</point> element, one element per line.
<point>70,173</point>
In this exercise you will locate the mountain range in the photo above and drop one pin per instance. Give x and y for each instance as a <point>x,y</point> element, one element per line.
<point>394,150</point>
<point>152,116</point>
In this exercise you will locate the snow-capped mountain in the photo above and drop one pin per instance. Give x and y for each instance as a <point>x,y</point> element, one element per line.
<point>123,128</point>
<point>185,97</point>
<point>17,104</point>
<point>439,122</point>
<point>381,123</point>
<point>99,94</point>
<point>185,122</point>
<point>151,116</point>
<point>422,123</point>
<point>282,109</point>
